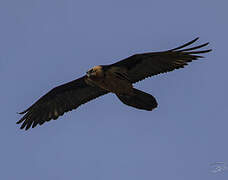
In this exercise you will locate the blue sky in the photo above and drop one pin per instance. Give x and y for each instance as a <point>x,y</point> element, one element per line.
<point>45,43</point>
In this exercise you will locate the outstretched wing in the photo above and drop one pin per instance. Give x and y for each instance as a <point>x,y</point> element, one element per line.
<point>141,66</point>
<point>59,100</point>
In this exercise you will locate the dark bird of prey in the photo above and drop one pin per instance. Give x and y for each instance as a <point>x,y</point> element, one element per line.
<point>117,78</point>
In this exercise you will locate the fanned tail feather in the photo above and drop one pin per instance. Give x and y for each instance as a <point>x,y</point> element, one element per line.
<point>139,100</point>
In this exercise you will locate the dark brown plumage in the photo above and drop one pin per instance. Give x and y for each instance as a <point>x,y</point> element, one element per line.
<point>116,78</point>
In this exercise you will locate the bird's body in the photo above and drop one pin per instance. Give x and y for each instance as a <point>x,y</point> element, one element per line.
<point>117,78</point>
<point>113,79</point>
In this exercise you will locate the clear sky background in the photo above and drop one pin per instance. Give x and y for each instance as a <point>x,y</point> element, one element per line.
<point>45,43</point>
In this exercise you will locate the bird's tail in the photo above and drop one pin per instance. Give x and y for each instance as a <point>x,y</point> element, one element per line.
<point>140,100</point>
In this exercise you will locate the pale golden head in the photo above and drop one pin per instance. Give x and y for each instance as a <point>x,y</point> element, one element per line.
<point>96,71</point>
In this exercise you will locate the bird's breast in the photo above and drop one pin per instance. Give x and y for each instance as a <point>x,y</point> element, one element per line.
<point>114,81</point>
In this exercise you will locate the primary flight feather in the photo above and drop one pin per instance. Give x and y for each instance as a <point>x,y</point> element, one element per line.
<point>117,78</point>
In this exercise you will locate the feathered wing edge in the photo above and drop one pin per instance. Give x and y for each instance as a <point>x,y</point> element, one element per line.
<point>132,61</point>
<point>161,62</point>
<point>63,98</point>
<point>180,48</point>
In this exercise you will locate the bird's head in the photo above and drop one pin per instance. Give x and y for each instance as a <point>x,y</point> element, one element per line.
<point>95,72</point>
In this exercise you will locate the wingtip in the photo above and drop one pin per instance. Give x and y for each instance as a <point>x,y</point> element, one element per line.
<point>23,129</point>
<point>196,38</point>
<point>20,121</point>
<point>184,45</point>
<point>22,112</point>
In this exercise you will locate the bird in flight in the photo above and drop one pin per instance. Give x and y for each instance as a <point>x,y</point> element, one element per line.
<point>117,78</point>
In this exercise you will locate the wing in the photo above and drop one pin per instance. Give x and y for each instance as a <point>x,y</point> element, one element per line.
<point>141,66</point>
<point>59,100</point>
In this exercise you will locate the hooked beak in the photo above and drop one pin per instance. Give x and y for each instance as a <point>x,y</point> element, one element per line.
<point>88,74</point>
